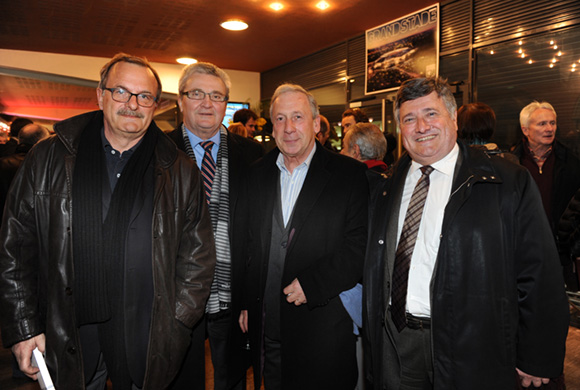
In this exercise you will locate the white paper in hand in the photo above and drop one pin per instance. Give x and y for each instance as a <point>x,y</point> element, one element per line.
<point>44,379</point>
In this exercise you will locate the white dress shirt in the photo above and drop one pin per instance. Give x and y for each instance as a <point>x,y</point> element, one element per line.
<point>428,237</point>
<point>291,183</point>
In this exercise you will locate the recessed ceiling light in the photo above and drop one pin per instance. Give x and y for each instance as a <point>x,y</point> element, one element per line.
<point>234,25</point>
<point>322,5</point>
<point>186,60</point>
<point>276,6</point>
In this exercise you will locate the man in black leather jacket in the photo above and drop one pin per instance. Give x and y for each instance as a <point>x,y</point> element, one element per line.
<point>106,247</point>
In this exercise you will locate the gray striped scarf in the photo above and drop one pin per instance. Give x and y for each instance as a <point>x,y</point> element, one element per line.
<point>220,296</point>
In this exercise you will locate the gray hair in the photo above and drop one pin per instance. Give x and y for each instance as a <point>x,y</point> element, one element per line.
<point>528,110</point>
<point>370,140</point>
<point>419,87</point>
<point>203,68</point>
<point>284,88</point>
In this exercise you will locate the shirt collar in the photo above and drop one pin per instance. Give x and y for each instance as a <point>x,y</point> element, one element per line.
<point>306,163</point>
<point>446,165</point>
<point>195,140</point>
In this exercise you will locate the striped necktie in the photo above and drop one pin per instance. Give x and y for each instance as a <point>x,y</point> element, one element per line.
<point>405,249</point>
<point>207,168</point>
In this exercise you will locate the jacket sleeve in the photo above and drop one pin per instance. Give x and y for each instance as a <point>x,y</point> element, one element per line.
<point>19,243</point>
<point>543,306</point>
<point>194,269</point>
<point>341,269</point>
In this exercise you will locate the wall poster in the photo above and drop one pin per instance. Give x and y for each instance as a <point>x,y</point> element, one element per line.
<point>402,49</point>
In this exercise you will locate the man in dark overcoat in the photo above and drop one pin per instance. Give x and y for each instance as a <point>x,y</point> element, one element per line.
<point>203,94</point>
<point>307,231</point>
<point>478,299</point>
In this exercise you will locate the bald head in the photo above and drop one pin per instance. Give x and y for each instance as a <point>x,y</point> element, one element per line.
<point>31,134</point>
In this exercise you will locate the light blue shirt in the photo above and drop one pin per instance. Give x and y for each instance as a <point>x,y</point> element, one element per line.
<point>291,183</point>
<point>198,150</point>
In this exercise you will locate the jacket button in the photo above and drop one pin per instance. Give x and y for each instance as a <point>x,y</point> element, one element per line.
<point>381,242</point>
<point>68,291</point>
<point>72,350</point>
<point>384,193</point>
<point>388,285</point>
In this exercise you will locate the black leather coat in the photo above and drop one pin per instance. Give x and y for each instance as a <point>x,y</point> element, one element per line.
<point>497,294</point>
<point>36,259</point>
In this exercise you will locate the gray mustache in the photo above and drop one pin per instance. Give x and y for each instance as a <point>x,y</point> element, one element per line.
<point>128,112</point>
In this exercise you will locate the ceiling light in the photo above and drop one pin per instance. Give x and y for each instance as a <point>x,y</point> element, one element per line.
<point>530,61</point>
<point>234,25</point>
<point>276,6</point>
<point>186,60</point>
<point>322,5</point>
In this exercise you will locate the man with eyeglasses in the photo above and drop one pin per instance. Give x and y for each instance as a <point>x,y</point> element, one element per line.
<point>107,252</point>
<point>224,159</point>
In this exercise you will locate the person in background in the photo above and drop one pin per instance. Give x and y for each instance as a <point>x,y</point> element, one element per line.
<point>8,147</point>
<point>350,117</point>
<point>29,135</point>
<point>323,135</point>
<point>223,159</point>
<point>554,167</point>
<point>303,251</point>
<point>366,143</point>
<point>113,289</point>
<point>239,129</point>
<point>248,118</point>
<point>459,291</point>
<point>569,238</point>
<point>476,125</point>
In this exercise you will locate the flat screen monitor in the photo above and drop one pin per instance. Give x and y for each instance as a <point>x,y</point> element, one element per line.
<point>231,108</point>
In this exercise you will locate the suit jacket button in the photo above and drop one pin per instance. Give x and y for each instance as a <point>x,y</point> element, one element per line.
<point>68,291</point>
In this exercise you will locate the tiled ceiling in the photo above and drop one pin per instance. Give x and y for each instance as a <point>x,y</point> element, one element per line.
<point>163,30</point>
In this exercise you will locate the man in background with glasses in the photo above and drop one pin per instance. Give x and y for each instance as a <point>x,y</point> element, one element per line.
<point>223,159</point>
<point>106,252</point>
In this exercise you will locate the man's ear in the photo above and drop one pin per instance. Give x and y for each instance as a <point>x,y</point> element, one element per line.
<point>317,124</point>
<point>526,131</point>
<point>100,93</point>
<point>357,154</point>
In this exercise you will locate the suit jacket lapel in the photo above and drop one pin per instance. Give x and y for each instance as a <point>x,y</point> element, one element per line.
<point>394,206</point>
<point>316,179</point>
<point>266,191</point>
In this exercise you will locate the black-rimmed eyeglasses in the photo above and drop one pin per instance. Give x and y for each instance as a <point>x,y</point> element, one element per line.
<point>121,95</point>
<point>198,94</point>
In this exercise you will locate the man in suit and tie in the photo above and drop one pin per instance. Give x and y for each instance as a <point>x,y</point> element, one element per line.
<point>461,284</point>
<point>223,159</point>
<point>306,241</point>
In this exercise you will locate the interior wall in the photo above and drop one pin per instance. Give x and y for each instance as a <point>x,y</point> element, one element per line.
<point>245,85</point>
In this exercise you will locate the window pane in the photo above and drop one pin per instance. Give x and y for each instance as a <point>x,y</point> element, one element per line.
<point>545,67</point>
